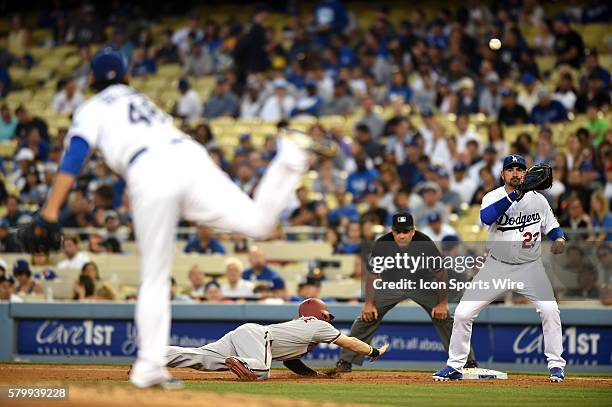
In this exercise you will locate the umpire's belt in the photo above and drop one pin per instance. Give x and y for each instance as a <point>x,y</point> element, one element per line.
<point>511,264</point>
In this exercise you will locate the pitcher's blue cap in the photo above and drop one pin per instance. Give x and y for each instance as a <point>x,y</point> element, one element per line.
<point>109,65</point>
<point>515,160</point>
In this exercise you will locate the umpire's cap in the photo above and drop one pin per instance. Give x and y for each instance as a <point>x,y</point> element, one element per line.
<point>109,65</point>
<point>314,307</point>
<point>515,160</point>
<point>402,222</point>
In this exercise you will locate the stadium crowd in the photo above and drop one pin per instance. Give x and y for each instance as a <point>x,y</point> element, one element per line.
<point>432,70</point>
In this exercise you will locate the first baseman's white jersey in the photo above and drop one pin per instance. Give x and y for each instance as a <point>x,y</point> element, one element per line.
<point>521,226</point>
<point>119,121</point>
<point>293,339</point>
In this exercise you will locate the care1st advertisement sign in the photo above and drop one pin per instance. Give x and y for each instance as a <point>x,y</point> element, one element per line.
<point>517,344</point>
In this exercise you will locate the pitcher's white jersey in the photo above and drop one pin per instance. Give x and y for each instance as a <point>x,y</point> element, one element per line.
<point>522,227</point>
<point>119,121</point>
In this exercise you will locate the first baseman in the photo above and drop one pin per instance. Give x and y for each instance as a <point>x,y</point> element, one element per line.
<point>516,222</point>
<point>249,350</point>
<point>169,176</point>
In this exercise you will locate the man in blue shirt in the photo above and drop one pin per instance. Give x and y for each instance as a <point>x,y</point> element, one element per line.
<point>547,110</point>
<point>358,181</point>
<point>203,243</point>
<point>259,272</point>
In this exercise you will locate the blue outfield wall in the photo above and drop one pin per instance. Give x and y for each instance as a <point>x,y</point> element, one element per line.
<point>503,338</point>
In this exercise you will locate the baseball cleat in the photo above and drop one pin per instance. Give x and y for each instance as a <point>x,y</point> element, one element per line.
<point>240,369</point>
<point>342,366</point>
<point>557,375</point>
<point>448,373</point>
<point>326,148</point>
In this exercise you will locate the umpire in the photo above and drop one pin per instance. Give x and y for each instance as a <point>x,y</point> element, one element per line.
<point>402,240</point>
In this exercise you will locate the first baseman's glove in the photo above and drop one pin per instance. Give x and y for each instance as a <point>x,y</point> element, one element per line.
<point>537,178</point>
<point>40,236</point>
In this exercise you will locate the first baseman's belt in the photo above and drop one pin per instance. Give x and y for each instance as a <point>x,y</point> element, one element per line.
<point>511,264</point>
<point>142,150</point>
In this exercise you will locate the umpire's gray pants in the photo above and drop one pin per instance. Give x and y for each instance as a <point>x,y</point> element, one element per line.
<point>384,303</point>
<point>250,343</point>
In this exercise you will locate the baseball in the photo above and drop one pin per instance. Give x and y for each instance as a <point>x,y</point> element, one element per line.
<point>494,44</point>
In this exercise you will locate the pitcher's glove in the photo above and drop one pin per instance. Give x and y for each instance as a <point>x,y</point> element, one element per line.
<point>40,236</point>
<point>537,178</point>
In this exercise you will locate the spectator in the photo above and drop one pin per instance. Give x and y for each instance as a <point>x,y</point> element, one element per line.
<point>176,296</point>
<point>342,103</point>
<point>26,121</point>
<point>565,92</point>
<point>304,214</point>
<point>19,38</point>
<point>33,191</point>
<point>250,52</point>
<point>601,219</point>
<point>358,181</point>
<point>84,288</point>
<point>251,103</point>
<point>437,230</point>
<point>370,146</point>
<point>544,41</point>
<point>593,68</point>
<point>528,95</point>
<point>7,290</point>
<point>464,133</point>
<point>8,123</point>
<point>595,93</point>
<point>203,243</point>
<point>576,223</point>
<point>608,186</point>
<point>430,193</point>
<point>370,118</point>
<point>8,244</point>
<point>309,103</point>
<point>510,112</point>
<point>196,278</point>
<point>212,292</point>
<point>142,63</point>
<point>345,212</point>
<point>587,284</point>
<point>467,102</point>
<point>113,228</point>
<point>14,215</point>
<point>547,110</point>
<point>235,286</point>
<point>91,269</point>
<point>351,242</point>
<point>68,98</point>
<point>26,283</point>
<point>329,180</point>
<point>167,53</point>
<point>569,48</point>
<point>374,212</point>
<point>222,102</point>
<point>184,36</point>
<point>189,106</point>
<point>488,183</point>
<point>399,88</point>
<point>75,259</point>
<point>199,61</point>
<point>310,288</point>
<point>259,273</point>
<point>463,184</point>
<point>280,104</point>
<point>597,127</point>
<point>452,199</point>
<point>490,100</point>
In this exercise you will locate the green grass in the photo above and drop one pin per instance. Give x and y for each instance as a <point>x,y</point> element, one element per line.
<point>421,395</point>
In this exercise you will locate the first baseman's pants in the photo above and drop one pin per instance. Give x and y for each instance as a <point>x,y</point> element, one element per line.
<point>181,180</point>
<point>537,289</point>
<point>250,343</point>
<point>365,330</point>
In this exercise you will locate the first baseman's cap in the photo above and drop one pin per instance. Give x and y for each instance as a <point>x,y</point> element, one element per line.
<point>21,266</point>
<point>515,160</point>
<point>109,65</point>
<point>403,222</point>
